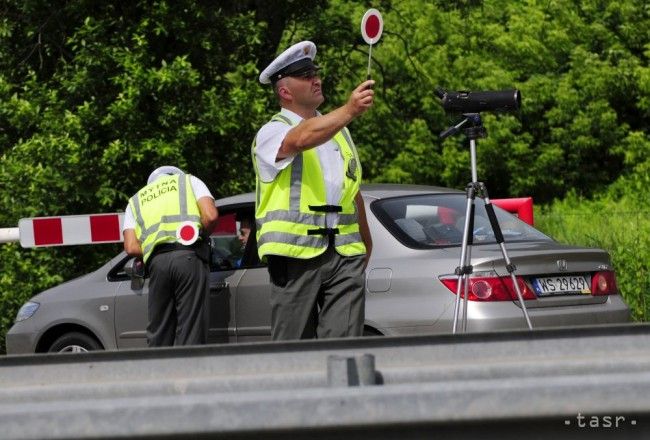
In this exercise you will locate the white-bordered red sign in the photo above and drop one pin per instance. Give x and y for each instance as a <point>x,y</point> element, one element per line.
<point>187,233</point>
<point>372,25</point>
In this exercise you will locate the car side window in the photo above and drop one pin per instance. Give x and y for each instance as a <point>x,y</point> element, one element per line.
<point>435,220</point>
<point>427,223</point>
<point>233,241</point>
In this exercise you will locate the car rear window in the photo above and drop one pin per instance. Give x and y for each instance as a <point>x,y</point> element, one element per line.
<point>438,220</point>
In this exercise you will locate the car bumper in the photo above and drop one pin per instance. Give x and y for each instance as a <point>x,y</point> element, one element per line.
<point>21,338</point>
<point>612,311</point>
<point>499,316</point>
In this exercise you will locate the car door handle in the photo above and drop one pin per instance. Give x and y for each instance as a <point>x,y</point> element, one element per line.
<point>221,285</point>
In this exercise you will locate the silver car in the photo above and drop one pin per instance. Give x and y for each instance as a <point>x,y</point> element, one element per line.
<point>410,282</point>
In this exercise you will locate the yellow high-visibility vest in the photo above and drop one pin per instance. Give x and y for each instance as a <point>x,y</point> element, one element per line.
<point>160,208</point>
<point>288,209</point>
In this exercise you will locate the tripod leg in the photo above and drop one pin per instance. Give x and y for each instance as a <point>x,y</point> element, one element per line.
<point>463,280</point>
<point>464,268</point>
<point>498,235</point>
<point>468,257</point>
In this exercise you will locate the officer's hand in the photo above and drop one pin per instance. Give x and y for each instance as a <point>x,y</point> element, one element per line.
<point>361,98</point>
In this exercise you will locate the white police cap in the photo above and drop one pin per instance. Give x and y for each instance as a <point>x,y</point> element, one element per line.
<point>296,60</point>
<point>161,171</point>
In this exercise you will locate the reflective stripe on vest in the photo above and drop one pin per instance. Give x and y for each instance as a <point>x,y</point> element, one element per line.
<point>282,211</point>
<point>160,208</point>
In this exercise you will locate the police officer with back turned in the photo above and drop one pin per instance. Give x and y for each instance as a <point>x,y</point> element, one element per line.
<point>168,223</point>
<point>311,221</point>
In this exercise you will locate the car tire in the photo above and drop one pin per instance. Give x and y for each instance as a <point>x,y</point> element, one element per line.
<point>74,342</point>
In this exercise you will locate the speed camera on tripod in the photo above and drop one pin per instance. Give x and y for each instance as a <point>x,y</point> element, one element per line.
<point>476,102</point>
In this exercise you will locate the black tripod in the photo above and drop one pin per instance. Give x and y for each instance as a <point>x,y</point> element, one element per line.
<point>474,131</point>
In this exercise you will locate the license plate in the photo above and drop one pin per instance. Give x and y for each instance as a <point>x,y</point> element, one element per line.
<point>560,285</point>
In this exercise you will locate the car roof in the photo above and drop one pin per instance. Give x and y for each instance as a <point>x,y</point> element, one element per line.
<point>384,190</point>
<point>236,200</point>
<point>372,190</point>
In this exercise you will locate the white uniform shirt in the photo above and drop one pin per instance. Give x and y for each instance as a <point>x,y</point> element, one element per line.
<point>268,142</point>
<point>198,187</point>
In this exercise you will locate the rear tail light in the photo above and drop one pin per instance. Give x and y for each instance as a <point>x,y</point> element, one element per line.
<point>604,283</point>
<point>488,286</point>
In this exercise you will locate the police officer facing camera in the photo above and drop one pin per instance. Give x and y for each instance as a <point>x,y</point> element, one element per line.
<point>312,227</point>
<point>168,223</point>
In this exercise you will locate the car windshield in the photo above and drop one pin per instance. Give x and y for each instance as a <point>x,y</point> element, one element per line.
<point>435,220</point>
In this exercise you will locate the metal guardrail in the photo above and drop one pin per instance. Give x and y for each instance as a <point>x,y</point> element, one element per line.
<point>569,383</point>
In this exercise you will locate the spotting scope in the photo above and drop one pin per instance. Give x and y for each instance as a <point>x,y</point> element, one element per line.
<point>476,102</point>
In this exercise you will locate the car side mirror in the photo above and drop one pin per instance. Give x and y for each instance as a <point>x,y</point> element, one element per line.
<point>135,269</point>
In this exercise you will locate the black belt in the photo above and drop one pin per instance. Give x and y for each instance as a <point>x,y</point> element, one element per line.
<point>168,247</point>
<point>326,208</point>
<point>200,247</point>
<point>323,231</point>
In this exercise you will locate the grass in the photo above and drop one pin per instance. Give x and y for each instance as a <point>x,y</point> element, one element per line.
<point>616,226</point>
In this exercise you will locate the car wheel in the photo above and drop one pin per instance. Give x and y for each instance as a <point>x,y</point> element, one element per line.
<point>74,342</point>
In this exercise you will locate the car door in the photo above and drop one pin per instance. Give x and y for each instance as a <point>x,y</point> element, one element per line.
<point>253,308</point>
<point>131,310</point>
<point>222,305</point>
<point>252,285</point>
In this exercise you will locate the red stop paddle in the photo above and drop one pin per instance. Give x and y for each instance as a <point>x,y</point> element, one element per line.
<point>372,26</point>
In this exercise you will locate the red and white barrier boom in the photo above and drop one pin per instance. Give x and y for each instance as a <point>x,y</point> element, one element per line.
<point>70,230</point>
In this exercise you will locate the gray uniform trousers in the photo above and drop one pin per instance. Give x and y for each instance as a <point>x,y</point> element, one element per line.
<point>178,299</point>
<point>321,297</point>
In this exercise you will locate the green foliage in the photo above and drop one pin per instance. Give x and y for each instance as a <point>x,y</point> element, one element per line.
<point>619,225</point>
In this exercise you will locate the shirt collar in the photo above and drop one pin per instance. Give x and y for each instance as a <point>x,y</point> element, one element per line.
<point>294,117</point>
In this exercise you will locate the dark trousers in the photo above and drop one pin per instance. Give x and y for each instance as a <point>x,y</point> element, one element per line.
<point>321,297</point>
<point>178,299</point>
